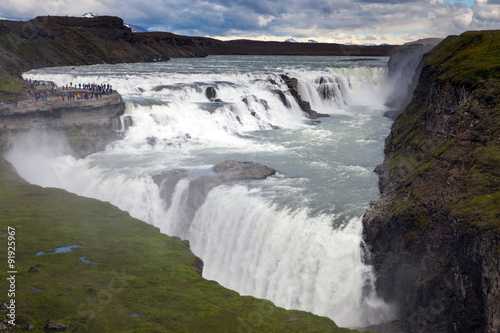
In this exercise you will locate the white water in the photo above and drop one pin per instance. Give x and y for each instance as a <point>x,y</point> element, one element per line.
<point>293,238</point>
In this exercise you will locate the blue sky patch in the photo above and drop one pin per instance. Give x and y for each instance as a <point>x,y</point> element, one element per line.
<point>469,3</point>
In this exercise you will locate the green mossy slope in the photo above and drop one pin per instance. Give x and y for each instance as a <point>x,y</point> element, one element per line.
<point>435,233</point>
<point>140,280</point>
<point>444,150</point>
<point>471,59</point>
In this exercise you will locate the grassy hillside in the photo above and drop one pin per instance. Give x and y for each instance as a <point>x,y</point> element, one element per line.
<point>124,275</point>
<point>471,59</point>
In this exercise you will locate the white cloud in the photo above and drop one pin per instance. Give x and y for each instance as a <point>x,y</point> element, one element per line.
<point>263,21</point>
<point>486,12</point>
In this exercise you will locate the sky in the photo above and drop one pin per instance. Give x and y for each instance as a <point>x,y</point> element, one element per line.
<point>330,21</point>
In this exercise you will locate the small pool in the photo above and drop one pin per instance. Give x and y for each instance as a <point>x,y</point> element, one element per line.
<point>63,249</point>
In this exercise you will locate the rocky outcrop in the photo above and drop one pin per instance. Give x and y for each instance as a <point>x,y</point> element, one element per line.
<point>63,114</point>
<point>434,235</point>
<point>89,124</point>
<point>55,327</point>
<point>210,93</point>
<point>292,84</point>
<point>231,170</point>
<point>199,187</point>
<point>226,171</point>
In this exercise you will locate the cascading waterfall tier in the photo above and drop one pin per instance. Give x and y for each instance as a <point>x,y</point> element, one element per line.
<point>293,238</point>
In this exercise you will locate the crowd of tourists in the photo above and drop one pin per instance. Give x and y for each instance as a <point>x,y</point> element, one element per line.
<point>70,92</point>
<point>42,90</point>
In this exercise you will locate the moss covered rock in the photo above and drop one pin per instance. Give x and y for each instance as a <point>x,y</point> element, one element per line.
<point>435,233</point>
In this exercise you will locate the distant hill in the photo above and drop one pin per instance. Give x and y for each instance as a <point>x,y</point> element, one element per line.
<point>426,41</point>
<point>291,40</point>
<point>90,15</point>
<point>135,28</point>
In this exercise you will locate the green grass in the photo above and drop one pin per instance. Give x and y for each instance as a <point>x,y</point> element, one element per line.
<point>144,281</point>
<point>11,86</point>
<point>89,44</point>
<point>481,207</point>
<point>470,59</point>
<point>455,175</point>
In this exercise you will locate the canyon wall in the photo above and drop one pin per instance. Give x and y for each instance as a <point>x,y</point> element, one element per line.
<point>434,235</point>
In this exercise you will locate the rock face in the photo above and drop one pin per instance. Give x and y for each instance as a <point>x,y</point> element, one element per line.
<point>63,114</point>
<point>226,171</point>
<point>292,84</point>
<point>199,187</point>
<point>88,124</point>
<point>434,235</point>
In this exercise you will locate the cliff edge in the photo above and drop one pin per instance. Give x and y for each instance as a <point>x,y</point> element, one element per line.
<point>88,119</point>
<point>434,235</point>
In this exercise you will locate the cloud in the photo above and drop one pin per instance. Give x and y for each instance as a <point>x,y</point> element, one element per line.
<point>485,13</point>
<point>393,21</point>
<point>390,1</point>
<point>256,6</point>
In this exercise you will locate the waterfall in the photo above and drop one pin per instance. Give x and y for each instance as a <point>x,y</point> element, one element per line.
<point>293,238</point>
<point>284,255</point>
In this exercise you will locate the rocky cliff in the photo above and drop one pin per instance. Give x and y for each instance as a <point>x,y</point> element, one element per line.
<point>88,123</point>
<point>434,235</point>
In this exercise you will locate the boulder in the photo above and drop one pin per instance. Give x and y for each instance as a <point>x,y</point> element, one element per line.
<point>202,185</point>
<point>243,170</point>
<point>210,93</point>
<point>57,327</point>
